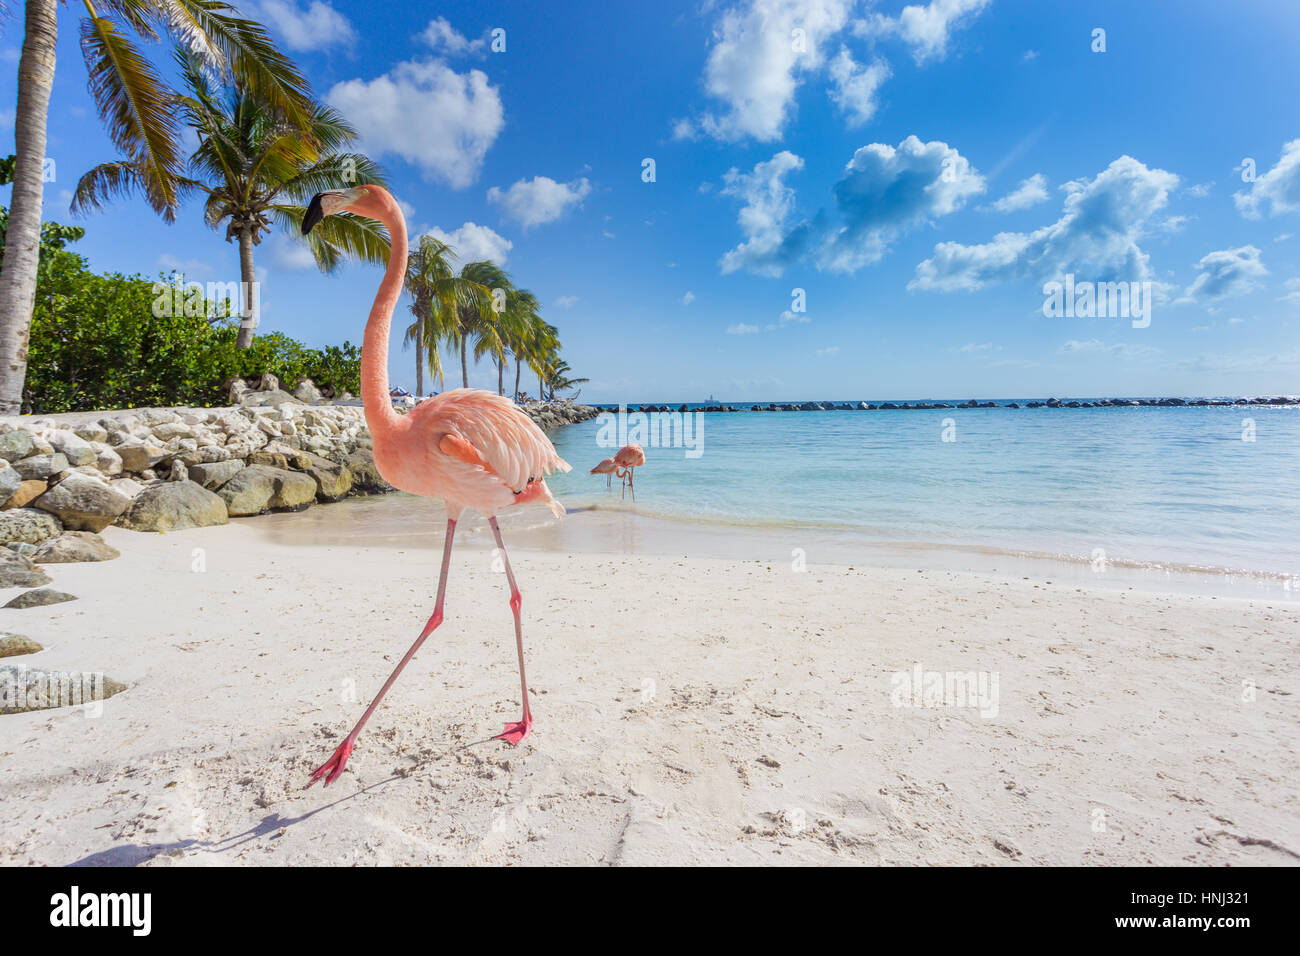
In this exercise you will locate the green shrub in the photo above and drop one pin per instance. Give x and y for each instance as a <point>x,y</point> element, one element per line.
<point>96,344</point>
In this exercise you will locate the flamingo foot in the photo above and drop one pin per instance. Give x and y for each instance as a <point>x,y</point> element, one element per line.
<point>332,769</point>
<point>516,730</point>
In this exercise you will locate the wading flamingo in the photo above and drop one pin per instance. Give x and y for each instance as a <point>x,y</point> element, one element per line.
<point>607,467</point>
<point>627,458</point>
<point>469,447</point>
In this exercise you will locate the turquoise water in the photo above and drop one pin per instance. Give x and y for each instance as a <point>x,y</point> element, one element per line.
<point>1174,486</point>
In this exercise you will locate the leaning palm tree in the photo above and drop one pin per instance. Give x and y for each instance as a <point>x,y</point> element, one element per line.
<point>480,322</point>
<point>557,377</point>
<point>258,165</point>
<point>437,295</point>
<point>525,320</point>
<point>134,103</point>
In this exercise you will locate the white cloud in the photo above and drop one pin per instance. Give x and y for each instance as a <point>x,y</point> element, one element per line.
<point>884,191</point>
<point>441,35</point>
<point>193,268</point>
<point>767,205</point>
<point>1293,295</point>
<point>972,347</point>
<point>1030,55</point>
<point>1096,236</point>
<point>290,255</point>
<point>788,317</point>
<point>926,28</point>
<point>832,350</point>
<point>855,87</point>
<point>1030,192</point>
<point>740,328</point>
<point>688,298</point>
<point>756,65</point>
<point>317,27</point>
<point>1225,273</point>
<point>1118,349</point>
<point>1200,190</point>
<point>473,243</point>
<point>567,301</point>
<point>532,202</point>
<point>428,114</point>
<point>1278,189</point>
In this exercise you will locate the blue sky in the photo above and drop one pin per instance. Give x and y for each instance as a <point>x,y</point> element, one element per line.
<point>919,171</point>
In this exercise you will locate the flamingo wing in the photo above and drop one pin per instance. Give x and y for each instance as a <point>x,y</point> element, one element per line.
<point>480,428</point>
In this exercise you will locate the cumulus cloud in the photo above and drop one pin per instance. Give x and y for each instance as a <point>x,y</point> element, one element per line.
<point>855,87</point>
<point>757,63</point>
<point>1030,192</point>
<point>1225,273</point>
<point>925,29</point>
<point>688,298</point>
<point>1096,237</point>
<point>290,255</point>
<point>1278,189</point>
<point>533,202</point>
<point>439,120</point>
<point>740,328</point>
<point>315,28</point>
<point>767,205</point>
<point>884,191</point>
<point>474,243</point>
<point>567,301</point>
<point>442,36</point>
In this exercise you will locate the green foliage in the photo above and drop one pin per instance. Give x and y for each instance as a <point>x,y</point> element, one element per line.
<point>96,343</point>
<point>53,235</point>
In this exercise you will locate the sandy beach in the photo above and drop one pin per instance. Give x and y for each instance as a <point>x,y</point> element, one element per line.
<point>689,709</point>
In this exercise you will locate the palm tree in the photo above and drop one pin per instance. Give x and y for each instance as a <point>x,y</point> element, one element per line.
<point>557,377</point>
<point>480,321</point>
<point>257,164</point>
<point>134,103</point>
<point>437,295</point>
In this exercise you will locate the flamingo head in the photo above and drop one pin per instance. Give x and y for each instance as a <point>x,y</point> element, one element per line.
<point>362,200</point>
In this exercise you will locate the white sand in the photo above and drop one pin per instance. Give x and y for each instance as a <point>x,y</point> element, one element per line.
<point>1121,737</point>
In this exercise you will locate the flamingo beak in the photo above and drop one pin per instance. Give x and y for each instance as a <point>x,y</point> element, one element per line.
<point>327,203</point>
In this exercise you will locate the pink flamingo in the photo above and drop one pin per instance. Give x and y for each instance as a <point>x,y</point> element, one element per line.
<point>607,467</point>
<point>627,458</point>
<point>469,447</point>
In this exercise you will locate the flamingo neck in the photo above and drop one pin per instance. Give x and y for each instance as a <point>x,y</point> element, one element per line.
<point>380,415</point>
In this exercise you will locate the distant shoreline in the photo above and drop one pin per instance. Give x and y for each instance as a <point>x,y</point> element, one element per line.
<point>939,404</point>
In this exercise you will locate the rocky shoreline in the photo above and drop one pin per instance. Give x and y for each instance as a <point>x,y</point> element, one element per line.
<point>64,478</point>
<point>971,403</point>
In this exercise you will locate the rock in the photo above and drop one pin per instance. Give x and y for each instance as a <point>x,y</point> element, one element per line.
<point>28,524</point>
<point>83,503</point>
<point>366,479</point>
<point>10,481</point>
<point>76,450</point>
<point>333,481</point>
<point>273,398</point>
<point>268,383</point>
<point>91,433</point>
<point>15,444</point>
<point>247,492</point>
<point>236,388</point>
<point>172,506</point>
<point>22,547</point>
<point>158,416</point>
<point>213,475</point>
<point>169,430</point>
<point>179,472</point>
<point>12,645</point>
<point>128,486</point>
<point>270,459</point>
<point>17,571</point>
<point>41,466</point>
<point>107,460</point>
<point>139,456</point>
<point>40,598</point>
<point>74,546</point>
<point>306,391</point>
<point>292,489</point>
<point>24,689</point>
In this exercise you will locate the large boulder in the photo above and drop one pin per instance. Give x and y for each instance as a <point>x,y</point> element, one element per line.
<point>74,546</point>
<point>28,524</point>
<point>14,645</point>
<point>333,481</point>
<point>27,492</point>
<point>10,481</point>
<point>83,503</point>
<point>40,598</point>
<point>366,479</point>
<point>25,689</point>
<point>76,450</point>
<point>293,489</point>
<point>247,492</point>
<point>41,466</point>
<point>306,391</point>
<point>173,506</point>
<point>15,444</point>
<point>274,398</point>
<point>17,571</point>
<point>137,455</point>
<point>212,475</point>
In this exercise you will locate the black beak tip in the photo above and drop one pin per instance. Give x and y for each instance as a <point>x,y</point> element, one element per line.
<point>314,214</point>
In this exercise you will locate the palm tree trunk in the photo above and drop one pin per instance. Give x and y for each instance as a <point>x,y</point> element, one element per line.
<point>464,363</point>
<point>519,367</point>
<point>23,238</point>
<point>249,320</point>
<point>419,358</point>
<point>501,375</point>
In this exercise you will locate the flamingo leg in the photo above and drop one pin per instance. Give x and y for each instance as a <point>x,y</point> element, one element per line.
<point>631,485</point>
<point>333,768</point>
<point>519,729</point>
